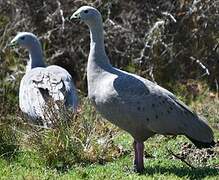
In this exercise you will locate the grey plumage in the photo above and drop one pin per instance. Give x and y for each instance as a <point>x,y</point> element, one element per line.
<point>133,103</point>
<point>41,83</point>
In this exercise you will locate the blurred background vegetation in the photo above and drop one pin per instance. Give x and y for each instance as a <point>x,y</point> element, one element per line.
<point>174,43</point>
<point>166,41</point>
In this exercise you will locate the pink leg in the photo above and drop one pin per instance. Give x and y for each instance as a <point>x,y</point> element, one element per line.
<point>139,156</point>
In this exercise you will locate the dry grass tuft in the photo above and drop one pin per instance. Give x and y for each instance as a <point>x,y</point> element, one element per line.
<point>73,139</point>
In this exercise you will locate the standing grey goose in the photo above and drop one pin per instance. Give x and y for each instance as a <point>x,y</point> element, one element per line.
<point>133,103</point>
<point>41,83</point>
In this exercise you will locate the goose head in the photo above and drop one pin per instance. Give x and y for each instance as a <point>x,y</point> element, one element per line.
<point>88,15</point>
<point>25,40</point>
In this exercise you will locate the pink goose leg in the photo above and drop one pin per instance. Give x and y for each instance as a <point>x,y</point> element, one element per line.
<point>139,156</point>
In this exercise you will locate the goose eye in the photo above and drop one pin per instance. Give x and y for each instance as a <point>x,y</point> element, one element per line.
<point>86,11</point>
<point>23,37</point>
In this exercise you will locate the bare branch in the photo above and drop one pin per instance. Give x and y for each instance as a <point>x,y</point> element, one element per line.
<point>180,158</point>
<point>169,15</point>
<point>201,65</point>
<point>217,87</point>
<point>61,14</point>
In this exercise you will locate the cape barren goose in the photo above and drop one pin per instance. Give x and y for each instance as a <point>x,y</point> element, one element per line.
<point>42,83</point>
<point>133,103</point>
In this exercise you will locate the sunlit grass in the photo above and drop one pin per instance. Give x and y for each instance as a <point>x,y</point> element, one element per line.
<point>108,153</point>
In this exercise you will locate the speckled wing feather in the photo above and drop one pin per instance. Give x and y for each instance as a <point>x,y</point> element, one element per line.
<point>40,85</point>
<point>167,115</point>
<point>71,99</point>
<point>143,103</point>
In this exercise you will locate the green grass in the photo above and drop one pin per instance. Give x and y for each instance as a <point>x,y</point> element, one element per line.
<point>36,159</point>
<point>27,165</point>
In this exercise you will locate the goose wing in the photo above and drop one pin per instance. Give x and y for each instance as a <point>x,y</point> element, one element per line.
<point>40,85</point>
<point>159,108</point>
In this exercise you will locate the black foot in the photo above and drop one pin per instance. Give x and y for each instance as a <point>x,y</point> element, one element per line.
<point>139,170</point>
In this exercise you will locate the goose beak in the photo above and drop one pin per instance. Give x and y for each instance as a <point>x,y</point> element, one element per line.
<point>13,43</point>
<point>75,16</point>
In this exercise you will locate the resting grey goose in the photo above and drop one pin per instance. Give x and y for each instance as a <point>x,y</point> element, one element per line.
<point>41,83</point>
<point>133,103</point>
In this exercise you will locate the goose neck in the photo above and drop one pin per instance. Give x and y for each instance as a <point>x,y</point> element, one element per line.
<point>97,38</point>
<point>97,53</point>
<point>35,57</point>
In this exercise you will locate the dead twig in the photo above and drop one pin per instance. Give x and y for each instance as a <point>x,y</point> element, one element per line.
<point>61,14</point>
<point>201,65</point>
<point>180,158</point>
<point>170,15</point>
<point>217,87</point>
